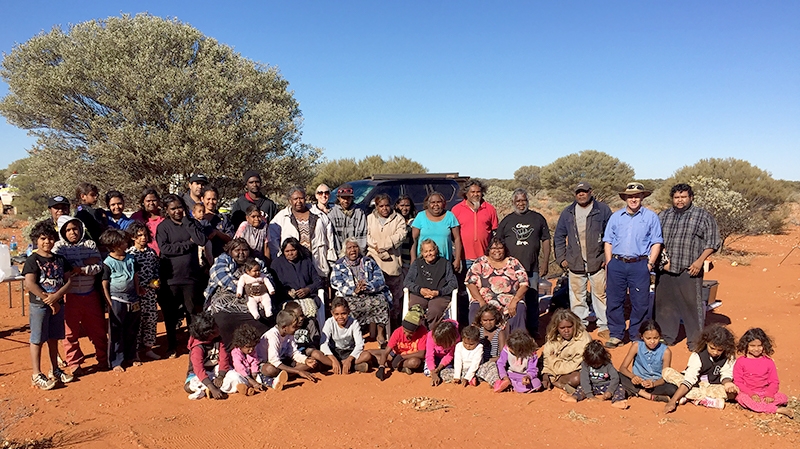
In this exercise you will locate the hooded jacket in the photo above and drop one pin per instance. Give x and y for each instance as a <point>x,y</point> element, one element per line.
<point>78,254</point>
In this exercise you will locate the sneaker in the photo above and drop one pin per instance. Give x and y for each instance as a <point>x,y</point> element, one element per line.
<point>61,376</point>
<point>78,372</point>
<point>613,342</point>
<point>42,382</point>
<point>361,367</point>
<point>712,402</point>
<point>604,334</point>
<point>501,385</point>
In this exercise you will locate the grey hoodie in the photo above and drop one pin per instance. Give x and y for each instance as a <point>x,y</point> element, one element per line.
<point>77,254</point>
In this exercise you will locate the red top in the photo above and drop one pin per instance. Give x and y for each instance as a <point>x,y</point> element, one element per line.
<point>404,345</point>
<point>476,227</point>
<point>152,224</point>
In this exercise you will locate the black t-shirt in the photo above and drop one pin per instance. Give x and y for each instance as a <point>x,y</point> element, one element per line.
<point>49,272</point>
<point>523,235</point>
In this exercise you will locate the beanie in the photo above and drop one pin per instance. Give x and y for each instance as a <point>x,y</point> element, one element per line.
<point>249,174</point>
<point>413,318</point>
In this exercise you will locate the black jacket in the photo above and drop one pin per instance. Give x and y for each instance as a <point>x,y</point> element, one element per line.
<point>180,263</point>
<point>241,204</point>
<point>567,244</point>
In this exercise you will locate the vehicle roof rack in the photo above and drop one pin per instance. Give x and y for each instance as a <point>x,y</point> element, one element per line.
<point>386,176</point>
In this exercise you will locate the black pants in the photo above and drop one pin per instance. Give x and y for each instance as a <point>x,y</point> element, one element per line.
<point>170,299</point>
<point>633,390</point>
<point>123,322</point>
<point>679,297</point>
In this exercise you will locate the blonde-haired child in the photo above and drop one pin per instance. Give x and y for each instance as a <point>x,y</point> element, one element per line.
<point>566,339</point>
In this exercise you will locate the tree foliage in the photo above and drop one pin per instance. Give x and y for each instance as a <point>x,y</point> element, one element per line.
<point>728,207</point>
<point>140,100</point>
<point>607,175</point>
<point>529,177</point>
<point>339,171</point>
<point>759,189</point>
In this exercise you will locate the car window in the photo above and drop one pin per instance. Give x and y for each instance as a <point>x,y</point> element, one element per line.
<point>445,188</point>
<point>393,190</point>
<point>417,192</point>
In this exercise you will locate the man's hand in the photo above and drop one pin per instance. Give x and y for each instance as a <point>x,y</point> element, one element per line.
<point>457,265</point>
<point>302,292</point>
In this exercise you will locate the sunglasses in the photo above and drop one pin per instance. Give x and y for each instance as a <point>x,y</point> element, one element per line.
<point>323,192</point>
<point>635,187</point>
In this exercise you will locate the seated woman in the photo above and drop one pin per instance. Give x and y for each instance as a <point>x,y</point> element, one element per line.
<point>295,275</point>
<point>499,280</point>
<point>360,281</point>
<point>430,281</point>
<point>229,310</point>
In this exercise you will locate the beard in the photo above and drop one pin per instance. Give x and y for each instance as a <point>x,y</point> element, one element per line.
<point>475,204</point>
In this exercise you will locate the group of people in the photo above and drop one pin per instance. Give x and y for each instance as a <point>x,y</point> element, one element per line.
<point>252,286</point>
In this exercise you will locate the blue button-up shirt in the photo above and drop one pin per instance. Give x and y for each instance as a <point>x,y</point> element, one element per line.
<point>633,235</point>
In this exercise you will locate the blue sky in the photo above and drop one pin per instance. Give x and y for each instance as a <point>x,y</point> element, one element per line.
<point>483,88</point>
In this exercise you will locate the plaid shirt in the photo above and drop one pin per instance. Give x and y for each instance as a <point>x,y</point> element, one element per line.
<point>343,278</point>
<point>225,274</point>
<point>686,235</point>
<point>345,226</point>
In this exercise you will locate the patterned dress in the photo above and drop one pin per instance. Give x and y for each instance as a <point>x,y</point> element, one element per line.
<point>497,286</point>
<point>370,306</point>
<point>147,261</point>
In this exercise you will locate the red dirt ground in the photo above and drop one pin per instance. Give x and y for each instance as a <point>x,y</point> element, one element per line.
<point>147,408</point>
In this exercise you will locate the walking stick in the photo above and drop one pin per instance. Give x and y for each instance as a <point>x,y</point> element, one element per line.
<point>790,252</point>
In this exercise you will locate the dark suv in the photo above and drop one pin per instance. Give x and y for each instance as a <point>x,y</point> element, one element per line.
<point>415,186</point>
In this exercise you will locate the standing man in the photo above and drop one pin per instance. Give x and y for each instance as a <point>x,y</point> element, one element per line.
<point>525,232</point>
<point>690,236</point>
<point>632,243</point>
<point>578,242</point>
<point>348,220</point>
<point>478,221</point>
<point>57,206</point>
<point>252,195</point>
<point>195,194</point>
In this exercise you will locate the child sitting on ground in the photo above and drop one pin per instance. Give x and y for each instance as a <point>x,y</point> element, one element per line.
<point>342,344</point>
<point>245,364</point>
<point>280,354</point>
<point>122,290</point>
<point>598,378</point>
<point>518,364</point>
<point>405,349</point>
<point>47,279</point>
<point>83,306</point>
<point>307,335</point>
<point>493,338</point>
<point>210,372</point>
<point>565,342</point>
<point>708,378</point>
<point>467,357</point>
<point>440,348</point>
<point>756,376</point>
<point>258,288</point>
<point>649,357</point>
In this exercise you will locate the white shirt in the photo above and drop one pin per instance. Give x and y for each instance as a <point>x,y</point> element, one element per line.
<point>272,348</point>
<point>466,362</point>
<point>344,338</point>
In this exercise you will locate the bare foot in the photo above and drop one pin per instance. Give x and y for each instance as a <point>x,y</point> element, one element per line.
<point>622,405</point>
<point>119,369</point>
<point>645,394</point>
<point>786,411</point>
<point>567,398</point>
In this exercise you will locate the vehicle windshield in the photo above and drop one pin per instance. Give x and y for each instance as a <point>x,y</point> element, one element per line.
<point>360,191</point>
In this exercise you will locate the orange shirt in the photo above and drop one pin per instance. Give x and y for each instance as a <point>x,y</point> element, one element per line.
<point>476,227</point>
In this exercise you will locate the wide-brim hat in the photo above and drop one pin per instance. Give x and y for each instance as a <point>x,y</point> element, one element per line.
<point>634,188</point>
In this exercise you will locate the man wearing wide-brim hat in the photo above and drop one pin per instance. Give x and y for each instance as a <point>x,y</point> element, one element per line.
<point>632,242</point>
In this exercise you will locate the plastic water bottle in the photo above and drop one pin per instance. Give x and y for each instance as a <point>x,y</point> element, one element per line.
<point>12,246</point>
<point>29,251</point>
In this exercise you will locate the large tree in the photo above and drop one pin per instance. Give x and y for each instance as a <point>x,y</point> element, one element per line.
<point>139,100</point>
<point>339,171</point>
<point>607,175</point>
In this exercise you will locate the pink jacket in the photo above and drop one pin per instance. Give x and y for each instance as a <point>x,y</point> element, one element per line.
<point>244,364</point>
<point>434,351</point>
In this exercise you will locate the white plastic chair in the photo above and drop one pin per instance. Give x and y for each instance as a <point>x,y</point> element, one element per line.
<point>452,310</point>
<point>321,309</point>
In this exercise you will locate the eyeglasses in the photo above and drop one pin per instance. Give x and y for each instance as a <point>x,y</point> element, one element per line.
<point>325,192</point>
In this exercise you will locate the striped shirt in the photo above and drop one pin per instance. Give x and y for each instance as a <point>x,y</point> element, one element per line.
<point>687,233</point>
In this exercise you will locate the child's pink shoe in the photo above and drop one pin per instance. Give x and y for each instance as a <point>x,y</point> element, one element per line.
<point>501,385</point>
<point>711,402</point>
<point>474,381</point>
